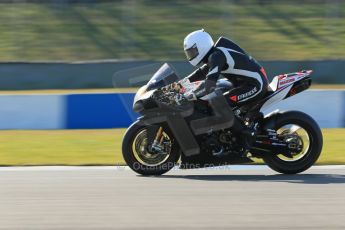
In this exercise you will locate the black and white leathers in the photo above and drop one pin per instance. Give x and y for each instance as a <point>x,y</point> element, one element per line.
<point>229,60</point>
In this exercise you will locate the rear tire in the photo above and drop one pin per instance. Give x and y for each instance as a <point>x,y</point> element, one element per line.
<point>139,166</point>
<point>312,154</point>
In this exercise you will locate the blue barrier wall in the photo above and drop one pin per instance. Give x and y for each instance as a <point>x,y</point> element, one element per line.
<point>112,110</point>
<point>89,111</point>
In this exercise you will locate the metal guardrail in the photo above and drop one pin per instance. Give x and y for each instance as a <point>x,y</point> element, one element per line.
<point>99,74</point>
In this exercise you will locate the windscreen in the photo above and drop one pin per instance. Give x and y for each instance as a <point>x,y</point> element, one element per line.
<point>164,76</point>
<point>154,75</point>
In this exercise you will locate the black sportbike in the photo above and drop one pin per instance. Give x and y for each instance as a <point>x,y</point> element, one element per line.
<point>173,131</point>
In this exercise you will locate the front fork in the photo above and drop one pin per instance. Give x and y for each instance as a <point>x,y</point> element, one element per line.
<point>157,145</point>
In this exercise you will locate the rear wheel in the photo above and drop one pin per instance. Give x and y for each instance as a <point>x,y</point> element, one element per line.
<point>148,158</point>
<point>302,132</point>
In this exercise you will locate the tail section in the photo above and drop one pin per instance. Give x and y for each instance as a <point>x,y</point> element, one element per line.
<point>287,85</point>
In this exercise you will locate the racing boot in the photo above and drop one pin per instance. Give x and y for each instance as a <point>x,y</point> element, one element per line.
<point>248,135</point>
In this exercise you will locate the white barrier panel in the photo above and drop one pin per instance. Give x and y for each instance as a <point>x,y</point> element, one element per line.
<point>325,106</point>
<point>32,111</point>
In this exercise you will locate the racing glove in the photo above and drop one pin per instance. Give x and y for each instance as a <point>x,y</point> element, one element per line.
<point>210,85</point>
<point>206,88</point>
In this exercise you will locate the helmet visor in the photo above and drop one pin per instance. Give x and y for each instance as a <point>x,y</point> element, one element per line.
<point>191,52</point>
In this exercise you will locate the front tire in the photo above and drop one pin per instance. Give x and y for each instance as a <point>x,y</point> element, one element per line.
<point>311,154</point>
<point>140,160</point>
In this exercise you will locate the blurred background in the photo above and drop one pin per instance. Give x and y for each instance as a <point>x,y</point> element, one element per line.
<point>74,30</point>
<point>58,59</point>
<point>285,35</point>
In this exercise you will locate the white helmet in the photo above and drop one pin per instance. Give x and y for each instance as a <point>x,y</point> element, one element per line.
<point>196,45</point>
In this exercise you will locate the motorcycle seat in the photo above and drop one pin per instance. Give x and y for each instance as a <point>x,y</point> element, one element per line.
<point>269,91</point>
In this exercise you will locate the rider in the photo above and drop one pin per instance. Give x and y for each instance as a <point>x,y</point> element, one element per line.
<point>229,60</point>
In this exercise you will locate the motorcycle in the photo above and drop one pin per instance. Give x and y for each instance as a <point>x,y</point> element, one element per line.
<point>176,131</point>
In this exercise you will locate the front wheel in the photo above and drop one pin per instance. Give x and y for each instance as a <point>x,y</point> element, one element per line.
<point>149,158</point>
<point>299,129</point>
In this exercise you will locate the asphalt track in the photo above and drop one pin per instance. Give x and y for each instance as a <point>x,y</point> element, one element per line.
<point>116,198</point>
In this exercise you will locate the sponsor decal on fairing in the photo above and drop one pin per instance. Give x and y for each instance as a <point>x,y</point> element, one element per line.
<point>247,94</point>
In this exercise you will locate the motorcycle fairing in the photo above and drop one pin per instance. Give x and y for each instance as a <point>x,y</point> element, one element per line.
<point>286,85</point>
<point>174,117</point>
<point>223,117</point>
<point>283,80</point>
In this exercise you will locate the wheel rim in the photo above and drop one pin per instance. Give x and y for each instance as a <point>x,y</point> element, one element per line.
<point>294,134</point>
<point>145,157</point>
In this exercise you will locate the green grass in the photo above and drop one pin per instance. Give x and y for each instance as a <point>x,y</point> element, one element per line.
<point>61,147</point>
<point>103,147</point>
<point>333,147</point>
<point>148,29</point>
